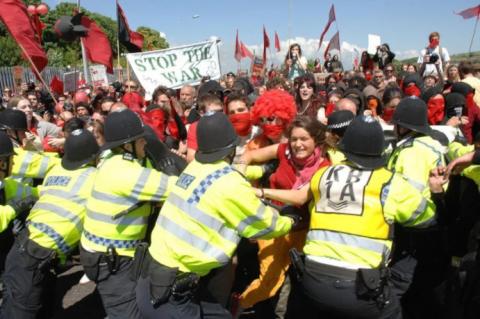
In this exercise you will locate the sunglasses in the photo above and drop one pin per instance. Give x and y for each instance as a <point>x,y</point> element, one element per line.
<point>388,70</point>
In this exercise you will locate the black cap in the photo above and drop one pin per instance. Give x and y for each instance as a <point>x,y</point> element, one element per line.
<point>338,121</point>
<point>122,127</point>
<point>364,143</point>
<point>454,104</point>
<point>231,74</point>
<point>6,146</point>
<point>80,148</point>
<point>13,119</point>
<point>412,78</point>
<point>411,113</point>
<point>216,138</point>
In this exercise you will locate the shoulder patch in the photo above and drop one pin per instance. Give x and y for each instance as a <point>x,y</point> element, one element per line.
<point>184,180</point>
<point>57,181</point>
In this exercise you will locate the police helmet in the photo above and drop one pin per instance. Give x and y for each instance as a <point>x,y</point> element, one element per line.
<point>411,113</point>
<point>122,127</point>
<point>80,148</point>
<point>6,146</point>
<point>13,119</point>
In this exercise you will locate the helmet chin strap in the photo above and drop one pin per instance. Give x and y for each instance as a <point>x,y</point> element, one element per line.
<point>229,158</point>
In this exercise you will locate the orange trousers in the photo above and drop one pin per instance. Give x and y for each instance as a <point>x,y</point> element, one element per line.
<point>274,262</point>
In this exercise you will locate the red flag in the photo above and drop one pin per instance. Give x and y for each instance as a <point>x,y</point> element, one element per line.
<point>13,14</point>
<point>470,12</point>
<point>333,44</point>
<point>56,85</point>
<point>246,53</point>
<point>331,18</point>
<point>266,44</point>
<point>238,50</point>
<point>277,42</point>
<point>133,41</point>
<point>96,44</point>
<point>39,26</point>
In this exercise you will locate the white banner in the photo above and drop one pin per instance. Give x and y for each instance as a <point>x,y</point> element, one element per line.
<point>373,42</point>
<point>98,75</point>
<point>175,67</point>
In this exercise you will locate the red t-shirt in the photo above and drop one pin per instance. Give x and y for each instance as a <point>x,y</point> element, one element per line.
<point>192,136</point>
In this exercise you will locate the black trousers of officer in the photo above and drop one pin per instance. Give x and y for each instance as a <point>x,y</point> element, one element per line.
<point>117,289</point>
<point>208,301</point>
<point>26,278</point>
<point>321,295</point>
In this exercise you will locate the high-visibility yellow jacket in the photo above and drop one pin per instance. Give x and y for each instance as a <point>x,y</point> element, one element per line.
<point>335,156</point>
<point>56,220</point>
<point>352,213</point>
<point>12,190</point>
<point>202,220</point>
<point>456,150</point>
<point>414,157</point>
<point>29,164</point>
<point>120,185</point>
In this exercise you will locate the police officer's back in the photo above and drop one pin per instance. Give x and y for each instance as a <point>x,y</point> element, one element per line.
<point>118,211</point>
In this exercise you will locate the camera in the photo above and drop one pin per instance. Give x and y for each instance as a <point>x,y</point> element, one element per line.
<point>433,58</point>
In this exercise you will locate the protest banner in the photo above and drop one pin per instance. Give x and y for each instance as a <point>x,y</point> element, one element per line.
<point>257,65</point>
<point>98,75</point>
<point>175,67</point>
<point>70,81</point>
<point>373,42</point>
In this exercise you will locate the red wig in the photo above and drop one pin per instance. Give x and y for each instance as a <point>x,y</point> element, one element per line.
<point>274,103</point>
<point>134,101</point>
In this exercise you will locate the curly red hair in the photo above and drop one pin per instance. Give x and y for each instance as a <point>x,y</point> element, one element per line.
<point>274,103</point>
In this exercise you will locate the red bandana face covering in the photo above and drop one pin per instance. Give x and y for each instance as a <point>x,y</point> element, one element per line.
<point>434,43</point>
<point>388,114</point>
<point>272,131</point>
<point>412,90</point>
<point>241,122</point>
<point>436,110</point>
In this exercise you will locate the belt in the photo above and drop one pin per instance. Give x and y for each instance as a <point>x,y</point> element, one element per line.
<point>317,268</point>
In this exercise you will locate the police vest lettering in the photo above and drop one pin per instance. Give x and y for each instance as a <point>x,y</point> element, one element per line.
<point>343,190</point>
<point>57,181</point>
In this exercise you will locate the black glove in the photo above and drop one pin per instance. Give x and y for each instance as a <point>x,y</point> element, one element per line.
<point>294,213</point>
<point>23,206</point>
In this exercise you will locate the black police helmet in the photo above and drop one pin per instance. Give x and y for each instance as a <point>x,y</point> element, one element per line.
<point>216,138</point>
<point>13,119</point>
<point>6,146</point>
<point>411,113</point>
<point>364,143</point>
<point>122,127</point>
<point>80,148</point>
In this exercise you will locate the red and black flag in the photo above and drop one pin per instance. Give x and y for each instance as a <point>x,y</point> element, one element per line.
<point>470,12</point>
<point>133,41</point>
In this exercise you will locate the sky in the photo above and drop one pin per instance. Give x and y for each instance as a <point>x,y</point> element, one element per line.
<point>403,24</point>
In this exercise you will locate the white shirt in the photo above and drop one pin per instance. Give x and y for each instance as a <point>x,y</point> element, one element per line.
<point>430,67</point>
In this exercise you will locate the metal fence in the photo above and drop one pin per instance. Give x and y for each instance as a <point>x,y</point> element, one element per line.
<point>7,77</point>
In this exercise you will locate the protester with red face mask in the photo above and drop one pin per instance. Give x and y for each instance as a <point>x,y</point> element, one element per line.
<point>390,100</point>
<point>412,84</point>
<point>238,112</point>
<point>435,105</point>
<point>433,54</point>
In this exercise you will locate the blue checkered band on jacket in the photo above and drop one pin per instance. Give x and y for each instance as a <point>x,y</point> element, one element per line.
<point>49,231</point>
<point>206,183</point>
<point>116,243</point>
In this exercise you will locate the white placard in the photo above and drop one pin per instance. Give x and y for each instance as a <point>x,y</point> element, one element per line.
<point>175,67</point>
<point>373,42</point>
<point>98,75</point>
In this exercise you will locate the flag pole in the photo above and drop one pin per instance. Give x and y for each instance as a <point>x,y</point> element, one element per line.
<point>38,73</point>
<point>84,53</point>
<point>289,25</point>
<point>473,36</point>
<point>118,44</point>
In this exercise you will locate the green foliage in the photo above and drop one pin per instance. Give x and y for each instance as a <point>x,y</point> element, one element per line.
<point>62,53</point>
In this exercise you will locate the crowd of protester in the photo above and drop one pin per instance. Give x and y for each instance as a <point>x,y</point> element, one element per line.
<point>290,120</point>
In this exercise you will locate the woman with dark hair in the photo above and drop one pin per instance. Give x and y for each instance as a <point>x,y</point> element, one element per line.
<point>295,63</point>
<point>383,56</point>
<point>366,62</point>
<point>299,158</point>
<point>391,98</point>
<point>306,98</point>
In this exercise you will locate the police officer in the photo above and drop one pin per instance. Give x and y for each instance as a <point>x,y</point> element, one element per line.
<point>353,208</point>
<point>27,164</point>
<point>15,198</point>
<point>420,255</point>
<point>210,207</point>
<point>54,227</point>
<point>118,211</point>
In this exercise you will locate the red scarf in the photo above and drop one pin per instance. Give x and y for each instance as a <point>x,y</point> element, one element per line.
<point>436,110</point>
<point>242,123</point>
<point>272,131</point>
<point>329,108</point>
<point>434,43</point>
<point>412,90</point>
<point>306,167</point>
<point>388,114</point>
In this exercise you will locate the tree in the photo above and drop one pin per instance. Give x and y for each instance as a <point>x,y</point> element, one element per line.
<point>152,39</point>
